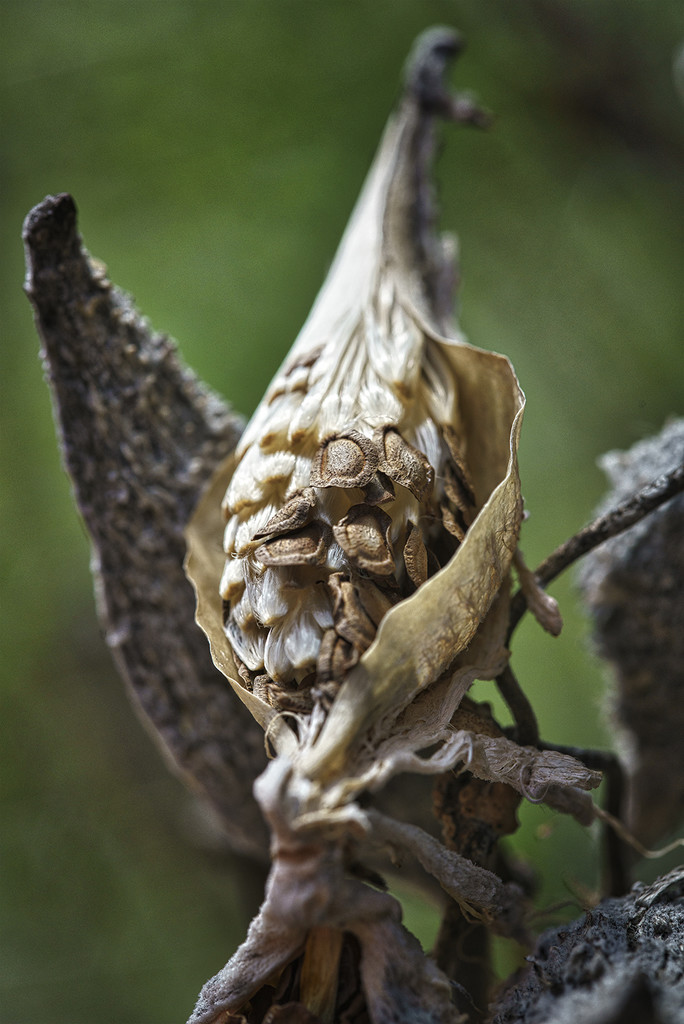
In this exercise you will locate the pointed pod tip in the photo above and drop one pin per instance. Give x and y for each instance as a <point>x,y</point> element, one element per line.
<point>424,78</point>
<point>427,62</point>
<point>55,214</point>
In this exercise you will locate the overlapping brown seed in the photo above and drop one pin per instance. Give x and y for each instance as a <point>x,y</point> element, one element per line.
<point>374,601</point>
<point>348,460</point>
<point>246,676</point>
<point>284,698</point>
<point>453,522</point>
<point>306,546</point>
<point>365,590</point>
<point>335,657</point>
<point>416,556</point>
<point>458,492</point>
<point>459,476</point>
<point>350,618</point>
<point>405,464</point>
<point>295,513</point>
<point>364,536</point>
<point>380,490</point>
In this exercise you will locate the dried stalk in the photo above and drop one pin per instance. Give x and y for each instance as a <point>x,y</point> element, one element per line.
<point>614,522</point>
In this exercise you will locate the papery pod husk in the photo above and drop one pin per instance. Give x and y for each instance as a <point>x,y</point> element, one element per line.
<point>422,636</point>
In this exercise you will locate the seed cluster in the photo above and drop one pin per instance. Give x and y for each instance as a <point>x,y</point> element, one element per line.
<point>321,542</point>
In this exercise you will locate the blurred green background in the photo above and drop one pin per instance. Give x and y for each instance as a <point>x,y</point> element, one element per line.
<point>214,150</point>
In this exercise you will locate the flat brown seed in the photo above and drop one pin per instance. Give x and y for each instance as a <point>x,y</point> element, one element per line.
<point>282,698</point>
<point>380,491</point>
<point>458,494</point>
<point>350,460</point>
<point>416,557</point>
<point>459,467</point>
<point>374,601</point>
<point>336,656</point>
<point>306,546</point>
<point>295,513</point>
<point>451,523</point>
<point>406,465</point>
<point>363,535</point>
<point>351,621</point>
<point>246,676</point>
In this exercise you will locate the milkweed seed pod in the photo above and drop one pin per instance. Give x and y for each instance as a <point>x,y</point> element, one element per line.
<point>372,507</point>
<point>351,565</point>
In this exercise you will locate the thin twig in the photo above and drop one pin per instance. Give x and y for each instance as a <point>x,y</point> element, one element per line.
<point>526,728</point>
<point>603,528</point>
<point>616,879</point>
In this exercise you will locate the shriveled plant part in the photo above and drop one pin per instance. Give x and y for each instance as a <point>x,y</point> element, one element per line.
<point>352,560</point>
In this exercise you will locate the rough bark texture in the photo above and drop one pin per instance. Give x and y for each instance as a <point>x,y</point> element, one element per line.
<point>140,437</point>
<point>634,587</point>
<point>622,963</point>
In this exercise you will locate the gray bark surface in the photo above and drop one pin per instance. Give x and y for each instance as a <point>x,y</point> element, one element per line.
<point>622,963</point>
<point>140,436</point>
<point>633,586</point>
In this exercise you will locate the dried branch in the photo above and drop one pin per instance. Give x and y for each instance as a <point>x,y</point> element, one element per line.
<point>614,522</point>
<point>140,436</point>
<point>621,962</point>
<point>634,588</point>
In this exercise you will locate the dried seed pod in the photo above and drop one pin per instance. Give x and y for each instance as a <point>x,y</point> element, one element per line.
<point>416,557</point>
<point>405,464</point>
<point>364,536</point>
<point>306,546</point>
<point>346,460</point>
<point>379,398</point>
